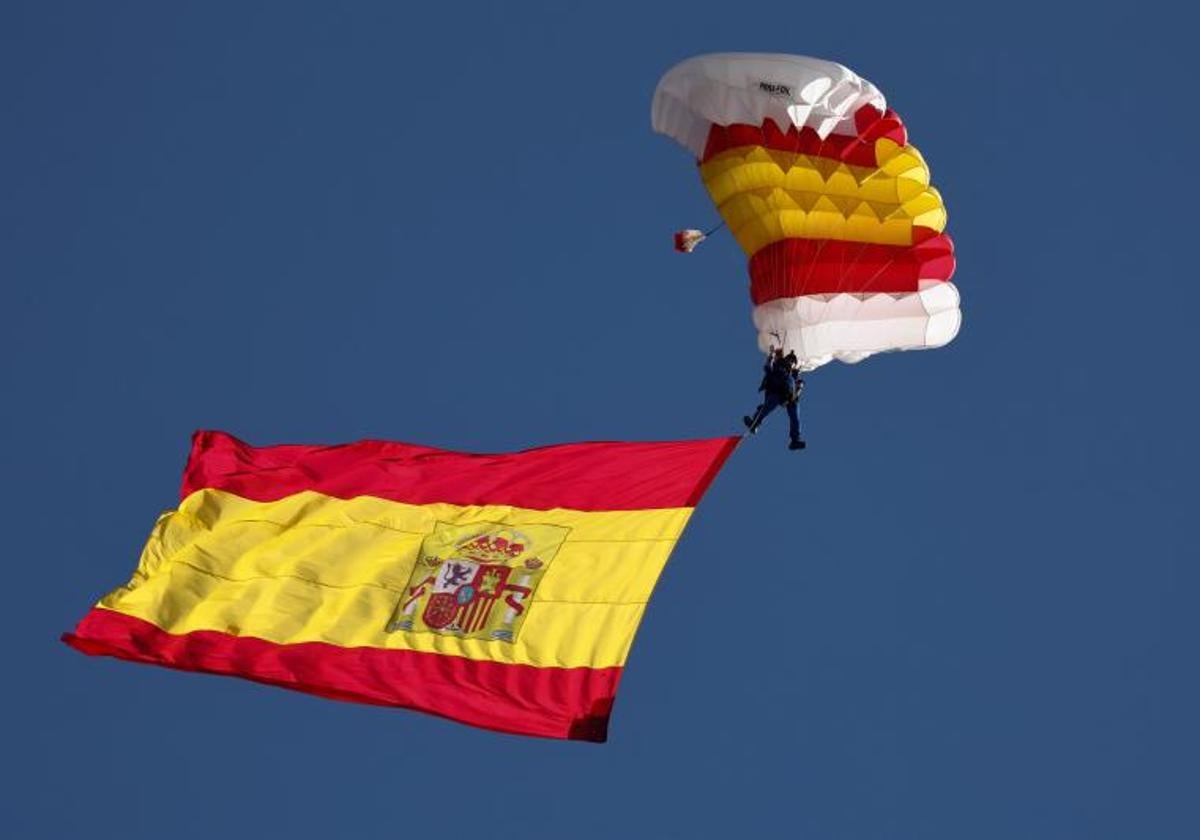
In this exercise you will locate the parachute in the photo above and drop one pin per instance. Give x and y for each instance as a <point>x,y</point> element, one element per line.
<point>818,184</point>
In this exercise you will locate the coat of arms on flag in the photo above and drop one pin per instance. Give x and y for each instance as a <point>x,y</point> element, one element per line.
<point>476,581</point>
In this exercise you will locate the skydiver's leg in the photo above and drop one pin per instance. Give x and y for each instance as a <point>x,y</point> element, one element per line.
<point>794,427</point>
<point>793,421</point>
<point>755,420</point>
<point>769,404</point>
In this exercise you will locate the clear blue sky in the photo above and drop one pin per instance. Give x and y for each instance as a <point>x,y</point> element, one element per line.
<point>450,224</point>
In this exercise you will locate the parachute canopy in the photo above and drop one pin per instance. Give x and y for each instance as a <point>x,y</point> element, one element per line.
<point>817,182</point>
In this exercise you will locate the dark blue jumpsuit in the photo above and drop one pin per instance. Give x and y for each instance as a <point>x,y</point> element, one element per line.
<point>780,386</point>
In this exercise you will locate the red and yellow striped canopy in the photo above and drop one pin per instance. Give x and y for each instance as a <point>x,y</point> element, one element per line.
<point>819,185</point>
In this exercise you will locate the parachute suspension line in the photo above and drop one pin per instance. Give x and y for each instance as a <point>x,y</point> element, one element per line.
<point>713,230</point>
<point>778,338</point>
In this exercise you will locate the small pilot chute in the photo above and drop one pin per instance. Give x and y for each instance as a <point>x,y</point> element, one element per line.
<point>686,240</point>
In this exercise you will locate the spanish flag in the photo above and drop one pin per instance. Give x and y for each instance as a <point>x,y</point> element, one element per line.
<point>501,591</point>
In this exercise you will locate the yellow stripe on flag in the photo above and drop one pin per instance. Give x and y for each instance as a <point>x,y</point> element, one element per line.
<point>313,568</point>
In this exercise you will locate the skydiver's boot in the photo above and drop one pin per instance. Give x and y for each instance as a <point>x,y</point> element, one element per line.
<point>797,443</point>
<point>752,423</point>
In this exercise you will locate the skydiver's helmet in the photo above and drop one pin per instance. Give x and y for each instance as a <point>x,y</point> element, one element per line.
<point>790,358</point>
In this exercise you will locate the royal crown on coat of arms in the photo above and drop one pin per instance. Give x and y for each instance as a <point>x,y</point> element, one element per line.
<point>476,581</point>
<point>497,548</point>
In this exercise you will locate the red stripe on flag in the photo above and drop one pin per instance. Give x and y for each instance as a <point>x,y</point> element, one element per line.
<point>858,150</point>
<point>795,267</point>
<point>569,703</point>
<point>578,476</point>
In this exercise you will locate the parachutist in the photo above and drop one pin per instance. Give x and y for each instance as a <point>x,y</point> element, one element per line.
<point>781,385</point>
